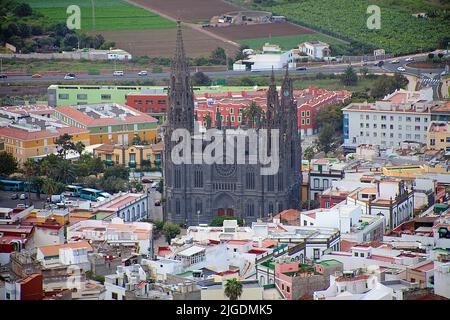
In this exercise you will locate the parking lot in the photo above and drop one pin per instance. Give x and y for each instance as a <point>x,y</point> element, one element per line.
<point>6,201</point>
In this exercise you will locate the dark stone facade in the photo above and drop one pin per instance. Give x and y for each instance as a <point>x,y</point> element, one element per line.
<point>195,193</point>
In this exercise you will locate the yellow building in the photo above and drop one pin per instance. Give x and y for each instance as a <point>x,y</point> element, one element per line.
<point>110,123</point>
<point>438,136</point>
<point>411,171</point>
<point>130,156</point>
<point>25,143</point>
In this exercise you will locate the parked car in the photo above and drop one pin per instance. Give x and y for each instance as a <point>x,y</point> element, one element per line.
<point>409,59</point>
<point>145,180</point>
<point>300,68</point>
<point>401,69</point>
<point>395,61</point>
<point>379,63</point>
<point>36,75</point>
<point>118,73</point>
<point>70,76</point>
<point>3,76</point>
<point>142,73</point>
<point>23,196</point>
<point>14,196</point>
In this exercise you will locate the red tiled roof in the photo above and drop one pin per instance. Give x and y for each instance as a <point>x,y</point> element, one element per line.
<point>54,249</point>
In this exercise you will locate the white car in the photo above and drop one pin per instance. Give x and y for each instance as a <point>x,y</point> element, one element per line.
<point>118,73</point>
<point>142,73</point>
<point>409,59</point>
<point>395,61</point>
<point>401,69</point>
<point>69,76</point>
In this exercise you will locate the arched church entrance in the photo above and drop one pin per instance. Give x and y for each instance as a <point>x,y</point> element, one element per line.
<point>224,205</point>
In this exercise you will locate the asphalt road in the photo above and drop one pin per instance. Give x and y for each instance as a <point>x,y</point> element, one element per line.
<point>326,69</point>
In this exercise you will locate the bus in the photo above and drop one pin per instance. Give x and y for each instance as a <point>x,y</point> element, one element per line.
<point>73,191</point>
<point>93,194</point>
<point>11,185</point>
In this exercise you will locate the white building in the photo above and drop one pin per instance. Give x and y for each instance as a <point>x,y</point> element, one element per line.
<point>349,219</point>
<point>400,116</point>
<point>115,233</point>
<point>442,279</point>
<point>74,253</point>
<point>128,206</point>
<point>322,175</point>
<point>271,57</point>
<point>315,49</point>
<point>125,279</point>
<point>354,286</point>
<point>390,198</point>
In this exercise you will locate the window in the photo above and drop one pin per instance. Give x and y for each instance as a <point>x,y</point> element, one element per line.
<point>82,96</point>
<point>383,118</point>
<point>307,113</point>
<point>417,128</point>
<point>161,101</point>
<point>316,254</point>
<point>114,296</point>
<point>316,183</point>
<point>250,180</point>
<point>408,119</point>
<point>303,113</point>
<point>63,96</point>
<point>105,97</point>
<point>391,118</point>
<point>417,119</point>
<point>399,127</point>
<point>307,121</point>
<point>148,101</point>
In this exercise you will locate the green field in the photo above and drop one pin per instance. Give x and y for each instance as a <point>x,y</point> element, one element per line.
<point>289,42</point>
<point>110,15</point>
<point>400,32</point>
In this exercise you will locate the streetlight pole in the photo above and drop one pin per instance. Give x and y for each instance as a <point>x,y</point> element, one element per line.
<point>93,14</point>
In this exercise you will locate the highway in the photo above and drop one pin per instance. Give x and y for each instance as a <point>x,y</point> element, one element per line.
<point>325,69</point>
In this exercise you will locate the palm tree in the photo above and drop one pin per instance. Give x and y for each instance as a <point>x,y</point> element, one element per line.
<point>253,113</point>
<point>64,172</point>
<point>208,119</point>
<point>50,187</point>
<point>79,147</point>
<point>31,171</point>
<point>233,289</point>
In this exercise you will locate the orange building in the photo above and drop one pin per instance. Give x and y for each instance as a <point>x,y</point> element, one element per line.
<point>24,143</point>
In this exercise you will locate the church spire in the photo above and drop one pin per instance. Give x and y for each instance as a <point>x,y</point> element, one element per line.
<point>181,95</point>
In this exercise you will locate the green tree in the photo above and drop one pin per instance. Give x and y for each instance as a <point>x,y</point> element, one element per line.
<point>65,144</point>
<point>170,231</point>
<point>217,221</point>
<point>349,77</point>
<point>326,138</point>
<point>50,187</point>
<point>233,289</point>
<point>79,147</point>
<point>117,172</point>
<point>64,172</point>
<point>219,56</point>
<point>8,163</point>
<point>253,113</point>
<point>364,72</point>
<point>309,153</point>
<point>201,79</point>
<point>23,10</point>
